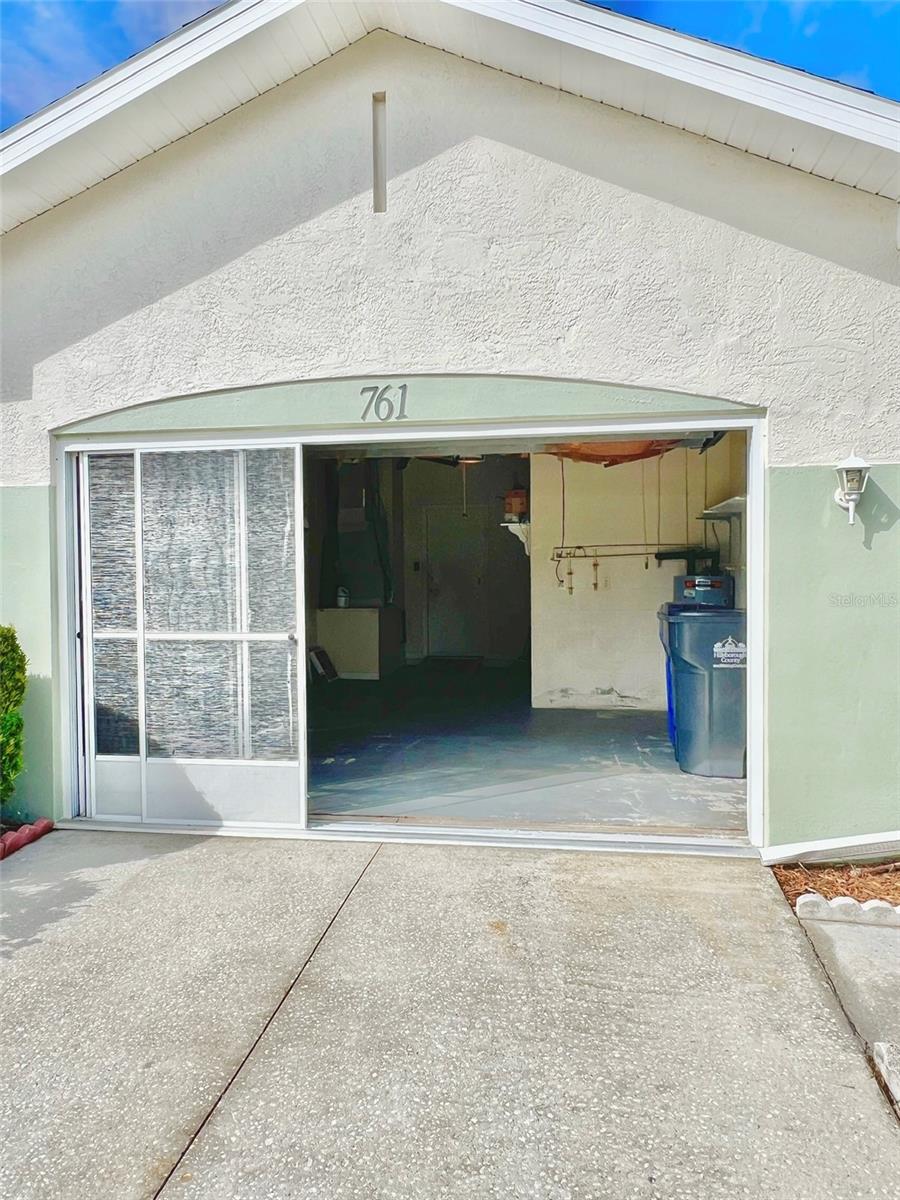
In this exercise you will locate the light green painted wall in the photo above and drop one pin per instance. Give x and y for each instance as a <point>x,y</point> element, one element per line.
<point>26,602</point>
<point>430,398</point>
<point>834,657</point>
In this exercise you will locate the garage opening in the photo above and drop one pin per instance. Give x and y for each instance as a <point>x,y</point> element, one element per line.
<point>529,634</point>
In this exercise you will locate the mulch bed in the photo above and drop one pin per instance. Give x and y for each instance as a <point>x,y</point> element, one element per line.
<point>879,881</point>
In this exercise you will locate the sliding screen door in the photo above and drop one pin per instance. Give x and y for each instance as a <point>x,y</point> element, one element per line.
<point>190,563</point>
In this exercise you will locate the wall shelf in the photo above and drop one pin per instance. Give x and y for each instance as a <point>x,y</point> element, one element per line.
<point>732,509</point>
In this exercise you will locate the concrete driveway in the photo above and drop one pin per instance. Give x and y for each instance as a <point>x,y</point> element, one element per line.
<point>222,1017</point>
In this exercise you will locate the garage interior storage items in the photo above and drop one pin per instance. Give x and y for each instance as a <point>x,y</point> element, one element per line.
<point>484,636</point>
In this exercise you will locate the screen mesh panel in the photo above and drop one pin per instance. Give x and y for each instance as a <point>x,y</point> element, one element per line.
<point>190,577</point>
<point>270,540</point>
<point>115,697</point>
<point>273,700</point>
<point>191,691</point>
<point>111,506</point>
<point>217,541</point>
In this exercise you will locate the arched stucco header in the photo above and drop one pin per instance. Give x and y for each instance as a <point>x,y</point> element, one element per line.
<point>389,400</point>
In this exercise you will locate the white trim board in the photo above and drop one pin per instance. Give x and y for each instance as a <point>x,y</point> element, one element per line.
<point>864,845</point>
<point>677,56</point>
<point>446,836</point>
<point>168,90</point>
<point>347,435</point>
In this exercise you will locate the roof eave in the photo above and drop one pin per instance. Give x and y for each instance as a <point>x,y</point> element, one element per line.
<point>835,108</point>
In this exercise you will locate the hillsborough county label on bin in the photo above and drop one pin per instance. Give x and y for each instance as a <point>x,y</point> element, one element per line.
<point>729,653</point>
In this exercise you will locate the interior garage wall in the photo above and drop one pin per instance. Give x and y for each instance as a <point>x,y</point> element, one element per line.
<point>506,582</point>
<point>600,649</point>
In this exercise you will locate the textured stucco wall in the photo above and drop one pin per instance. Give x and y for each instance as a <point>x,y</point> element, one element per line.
<point>527,231</point>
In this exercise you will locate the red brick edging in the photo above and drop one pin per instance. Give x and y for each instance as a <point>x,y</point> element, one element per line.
<point>17,838</point>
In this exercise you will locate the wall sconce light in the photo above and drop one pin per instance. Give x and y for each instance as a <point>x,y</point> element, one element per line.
<point>853,475</point>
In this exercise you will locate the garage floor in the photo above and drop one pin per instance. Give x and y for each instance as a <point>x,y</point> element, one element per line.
<point>210,1018</point>
<point>455,743</point>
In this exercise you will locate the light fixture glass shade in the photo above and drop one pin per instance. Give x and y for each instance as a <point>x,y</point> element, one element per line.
<point>853,474</point>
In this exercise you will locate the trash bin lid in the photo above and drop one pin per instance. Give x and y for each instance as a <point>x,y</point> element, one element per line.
<point>677,611</point>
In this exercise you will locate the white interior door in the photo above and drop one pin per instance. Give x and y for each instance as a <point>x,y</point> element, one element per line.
<point>191,598</point>
<point>456,562</point>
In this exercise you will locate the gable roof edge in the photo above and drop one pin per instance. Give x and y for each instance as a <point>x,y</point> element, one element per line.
<point>871,123</point>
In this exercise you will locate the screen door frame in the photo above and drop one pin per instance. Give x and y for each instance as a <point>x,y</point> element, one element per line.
<point>197,772</point>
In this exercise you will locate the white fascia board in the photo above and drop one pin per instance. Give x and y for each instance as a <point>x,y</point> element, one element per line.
<point>872,120</point>
<point>820,102</point>
<point>162,61</point>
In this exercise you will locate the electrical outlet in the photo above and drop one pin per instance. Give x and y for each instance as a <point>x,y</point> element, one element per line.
<point>605,583</point>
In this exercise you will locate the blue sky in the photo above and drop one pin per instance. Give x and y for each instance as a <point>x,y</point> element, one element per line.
<point>48,47</point>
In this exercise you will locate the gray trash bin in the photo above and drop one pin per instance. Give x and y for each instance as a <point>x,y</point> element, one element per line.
<point>707,650</point>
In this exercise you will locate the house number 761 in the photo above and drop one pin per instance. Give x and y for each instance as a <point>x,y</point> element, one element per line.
<point>381,402</point>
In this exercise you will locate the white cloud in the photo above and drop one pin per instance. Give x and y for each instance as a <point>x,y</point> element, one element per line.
<point>757,13</point>
<point>857,79</point>
<point>146,21</point>
<point>46,56</point>
<point>797,10</point>
<point>50,47</point>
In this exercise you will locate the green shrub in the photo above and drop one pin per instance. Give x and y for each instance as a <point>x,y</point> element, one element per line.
<point>13,677</point>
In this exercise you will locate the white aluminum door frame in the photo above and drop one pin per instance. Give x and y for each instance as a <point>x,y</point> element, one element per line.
<point>76,578</point>
<point>755,538</point>
<point>86,672</point>
<point>300,631</point>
